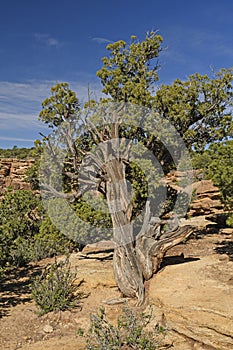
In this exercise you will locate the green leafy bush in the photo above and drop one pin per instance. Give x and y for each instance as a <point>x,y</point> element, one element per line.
<point>20,218</point>
<point>129,333</point>
<point>49,242</point>
<point>54,289</point>
<point>26,232</point>
<point>78,219</point>
<point>21,252</point>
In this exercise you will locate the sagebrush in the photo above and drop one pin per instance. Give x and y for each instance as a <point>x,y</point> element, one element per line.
<point>130,332</point>
<point>54,289</point>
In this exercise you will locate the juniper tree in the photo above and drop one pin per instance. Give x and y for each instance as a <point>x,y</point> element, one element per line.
<point>123,146</point>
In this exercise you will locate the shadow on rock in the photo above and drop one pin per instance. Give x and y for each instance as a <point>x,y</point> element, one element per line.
<point>225,247</point>
<point>175,260</point>
<point>15,287</point>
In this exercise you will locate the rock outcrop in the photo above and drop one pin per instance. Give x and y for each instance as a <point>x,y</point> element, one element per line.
<point>207,199</point>
<point>12,173</point>
<point>195,300</point>
<point>205,206</point>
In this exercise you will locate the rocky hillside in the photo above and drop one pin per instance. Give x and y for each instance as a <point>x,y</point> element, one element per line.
<point>12,173</point>
<point>206,207</point>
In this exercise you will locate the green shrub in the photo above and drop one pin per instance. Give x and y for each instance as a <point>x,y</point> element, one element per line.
<point>129,333</point>
<point>78,219</point>
<point>229,220</point>
<point>21,252</point>
<point>54,289</point>
<point>50,242</point>
<point>26,232</point>
<point>20,218</point>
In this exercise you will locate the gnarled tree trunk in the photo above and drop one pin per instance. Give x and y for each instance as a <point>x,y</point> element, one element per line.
<point>136,259</point>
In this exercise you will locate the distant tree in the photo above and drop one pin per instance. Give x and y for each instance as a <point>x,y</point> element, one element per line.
<point>15,152</point>
<point>199,109</point>
<point>32,175</point>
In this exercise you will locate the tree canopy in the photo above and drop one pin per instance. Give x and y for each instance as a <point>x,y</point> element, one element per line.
<point>130,71</point>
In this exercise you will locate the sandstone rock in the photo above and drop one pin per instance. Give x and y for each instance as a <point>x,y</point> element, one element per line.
<point>196,299</point>
<point>48,328</point>
<point>226,231</point>
<point>199,222</point>
<point>97,256</point>
<point>93,272</point>
<point>99,247</point>
<point>16,185</point>
<point>12,173</point>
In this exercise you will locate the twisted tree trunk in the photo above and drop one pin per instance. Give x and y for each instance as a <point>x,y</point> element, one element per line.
<point>136,259</point>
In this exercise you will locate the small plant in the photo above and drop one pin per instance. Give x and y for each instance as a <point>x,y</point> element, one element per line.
<point>229,220</point>
<point>129,333</point>
<point>54,289</point>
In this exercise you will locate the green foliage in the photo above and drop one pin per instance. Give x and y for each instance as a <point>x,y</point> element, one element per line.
<point>60,106</point>
<point>54,289</point>
<point>15,152</point>
<point>19,222</point>
<point>26,233</point>
<point>198,107</point>
<point>32,174</point>
<point>216,163</point>
<point>77,220</point>
<point>93,209</point>
<point>229,220</point>
<point>21,252</point>
<point>128,74</point>
<point>50,242</point>
<point>19,214</point>
<point>129,333</point>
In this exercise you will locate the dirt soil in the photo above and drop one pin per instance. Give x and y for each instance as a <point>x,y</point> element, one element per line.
<point>22,328</point>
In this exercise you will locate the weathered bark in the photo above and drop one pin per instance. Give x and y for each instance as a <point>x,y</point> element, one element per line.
<point>136,262</point>
<point>128,273</point>
<point>135,259</point>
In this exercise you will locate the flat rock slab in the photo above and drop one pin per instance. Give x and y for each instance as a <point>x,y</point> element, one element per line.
<point>196,300</point>
<point>95,273</point>
<point>99,247</point>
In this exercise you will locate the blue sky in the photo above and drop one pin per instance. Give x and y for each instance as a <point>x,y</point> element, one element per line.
<point>45,41</point>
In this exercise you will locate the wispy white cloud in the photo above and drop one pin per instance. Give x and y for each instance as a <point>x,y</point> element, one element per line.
<point>47,39</point>
<point>5,138</point>
<point>18,121</point>
<point>102,40</point>
<point>20,104</point>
